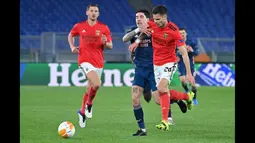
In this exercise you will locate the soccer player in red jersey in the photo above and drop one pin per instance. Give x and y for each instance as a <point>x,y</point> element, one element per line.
<point>94,37</point>
<point>165,39</point>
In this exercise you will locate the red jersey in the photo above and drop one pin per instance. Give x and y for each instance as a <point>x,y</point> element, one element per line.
<point>164,42</point>
<point>91,46</point>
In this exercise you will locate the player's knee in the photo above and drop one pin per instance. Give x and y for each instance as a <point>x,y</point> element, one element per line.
<point>96,86</point>
<point>162,88</point>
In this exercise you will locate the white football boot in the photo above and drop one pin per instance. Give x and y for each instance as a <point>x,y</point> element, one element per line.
<point>82,119</point>
<point>87,113</point>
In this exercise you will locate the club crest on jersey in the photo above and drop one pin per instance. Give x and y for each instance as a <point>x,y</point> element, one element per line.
<point>165,35</point>
<point>97,32</point>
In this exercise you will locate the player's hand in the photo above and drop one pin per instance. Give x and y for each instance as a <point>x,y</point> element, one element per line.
<point>190,79</point>
<point>75,50</point>
<point>189,49</point>
<point>133,47</point>
<point>104,39</point>
<point>144,28</point>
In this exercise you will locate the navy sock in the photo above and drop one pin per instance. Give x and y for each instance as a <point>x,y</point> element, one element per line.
<point>194,90</point>
<point>138,112</point>
<point>169,114</point>
<point>184,85</point>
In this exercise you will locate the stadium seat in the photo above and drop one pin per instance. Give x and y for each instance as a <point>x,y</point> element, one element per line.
<point>210,18</point>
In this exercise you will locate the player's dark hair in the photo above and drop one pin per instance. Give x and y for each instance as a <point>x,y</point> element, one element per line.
<point>144,11</point>
<point>182,29</point>
<point>161,10</point>
<point>92,5</point>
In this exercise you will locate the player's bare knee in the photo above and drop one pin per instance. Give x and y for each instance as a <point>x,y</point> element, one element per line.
<point>162,88</point>
<point>96,86</point>
<point>94,80</point>
<point>163,85</point>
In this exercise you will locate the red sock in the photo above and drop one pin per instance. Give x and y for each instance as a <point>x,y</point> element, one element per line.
<point>84,100</point>
<point>175,95</point>
<point>165,105</point>
<point>92,94</point>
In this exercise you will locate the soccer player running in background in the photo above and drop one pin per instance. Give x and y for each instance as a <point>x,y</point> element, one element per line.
<point>165,38</point>
<point>94,37</point>
<point>193,51</point>
<point>144,80</point>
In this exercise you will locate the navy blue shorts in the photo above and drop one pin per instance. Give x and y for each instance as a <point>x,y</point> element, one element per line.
<point>182,69</point>
<point>144,77</point>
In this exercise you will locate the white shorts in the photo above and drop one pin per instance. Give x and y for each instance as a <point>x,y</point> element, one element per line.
<point>87,67</point>
<point>165,71</point>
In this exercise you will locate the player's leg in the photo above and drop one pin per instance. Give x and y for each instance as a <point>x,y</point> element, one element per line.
<point>93,75</point>
<point>193,87</point>
<point>84,99</point>
<point>163,75</point>
<point>156,95</point>
<point>137,91</point>
<point>164,103</point>
<point>92,93</point>
<point>179,96</point>
<point>182,74</point>
<point>182,105</point>
<point>81,111</point>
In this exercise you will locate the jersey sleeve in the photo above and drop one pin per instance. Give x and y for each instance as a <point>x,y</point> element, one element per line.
<point>75,30</point>
<point>108,34</point>
<point>177,36</point>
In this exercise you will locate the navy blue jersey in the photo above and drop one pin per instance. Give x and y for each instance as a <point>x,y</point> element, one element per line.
<point>191,55</point>
<point>143,56</point>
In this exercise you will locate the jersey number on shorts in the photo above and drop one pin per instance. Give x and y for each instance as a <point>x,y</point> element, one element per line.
<point>170,70</point>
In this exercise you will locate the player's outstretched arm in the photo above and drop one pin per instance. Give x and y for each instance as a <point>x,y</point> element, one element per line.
<point>185,57</point>
<point>130,34</point>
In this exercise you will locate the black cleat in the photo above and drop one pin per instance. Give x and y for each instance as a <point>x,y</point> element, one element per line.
<point>182,106</point>
<point>140,133</point>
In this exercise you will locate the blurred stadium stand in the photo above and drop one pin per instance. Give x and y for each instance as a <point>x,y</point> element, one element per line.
<point>44,26</point>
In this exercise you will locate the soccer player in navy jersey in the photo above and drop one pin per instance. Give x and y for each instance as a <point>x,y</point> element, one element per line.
<point>191,46</point>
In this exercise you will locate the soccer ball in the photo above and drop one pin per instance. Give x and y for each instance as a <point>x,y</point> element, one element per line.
<point>66,129</point>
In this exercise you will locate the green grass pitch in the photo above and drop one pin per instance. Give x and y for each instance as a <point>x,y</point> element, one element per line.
<point>43,108</point>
